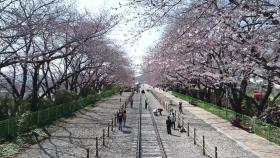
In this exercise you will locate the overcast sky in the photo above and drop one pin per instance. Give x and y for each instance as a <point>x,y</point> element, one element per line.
<point>122,34</point>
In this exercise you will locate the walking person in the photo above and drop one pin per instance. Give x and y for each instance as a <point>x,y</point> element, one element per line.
<point>160,111</point>
<point>124,117</point>
<point>180,107</point>
<point>120,119</point>
<point>146,103</point>
<point>173,119</point>
<point>168,125</point>
<point>116,118</point>
<point>131,103</point>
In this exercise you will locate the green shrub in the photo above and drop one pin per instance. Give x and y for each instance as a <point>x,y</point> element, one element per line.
<point>64,96</point>
<point>105,94</point>
<point>90,99</point>
<point>45,103</point>
<point>98,97</point>
<point>8,149</point>
<point>23,122</point>
<point>24,106</point>
<point>82,102</point>
<point>87,91</point>
<point>108,87</point>
<point>126,89</point>
<point>6,105</point>
<point>247,107</point>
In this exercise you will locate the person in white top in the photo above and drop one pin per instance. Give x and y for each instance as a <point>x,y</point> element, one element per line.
<point>173,120</point>
<point>155,111</point>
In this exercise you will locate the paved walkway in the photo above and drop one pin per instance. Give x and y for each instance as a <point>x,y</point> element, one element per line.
<point>78,133</point>
<point>248,141</point>
<point>123,144</point>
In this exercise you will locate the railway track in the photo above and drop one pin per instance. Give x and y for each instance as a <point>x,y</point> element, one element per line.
<point>149,141</point>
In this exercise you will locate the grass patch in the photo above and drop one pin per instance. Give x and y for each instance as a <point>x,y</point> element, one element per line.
<point>260,128</point>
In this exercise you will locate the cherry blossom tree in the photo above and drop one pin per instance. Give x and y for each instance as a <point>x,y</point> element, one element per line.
<point>219,45</point>
<point>48,45</point>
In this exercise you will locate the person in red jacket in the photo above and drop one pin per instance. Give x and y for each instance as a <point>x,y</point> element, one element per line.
<point>237,121</point>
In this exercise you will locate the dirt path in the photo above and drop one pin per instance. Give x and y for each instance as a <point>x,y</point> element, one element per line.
<point>123,144</point>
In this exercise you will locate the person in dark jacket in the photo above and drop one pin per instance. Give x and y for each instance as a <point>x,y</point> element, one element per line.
<point>180,107</point>
<point>131,103</point>
<point>146,103</point>
<point>120,119</point>
<point>124,117</point>
<point>160,111</point>
<point>168,125</point>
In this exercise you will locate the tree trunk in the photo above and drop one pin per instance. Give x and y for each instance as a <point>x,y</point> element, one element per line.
<point>208,94</point>
<point>264,101</point>
<point>237,95</point>
<point>24,80</point>
<point>35,89</point>
<point>218,94</point>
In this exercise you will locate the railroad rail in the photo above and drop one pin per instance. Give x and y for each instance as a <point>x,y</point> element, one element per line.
<point>149,141</point>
